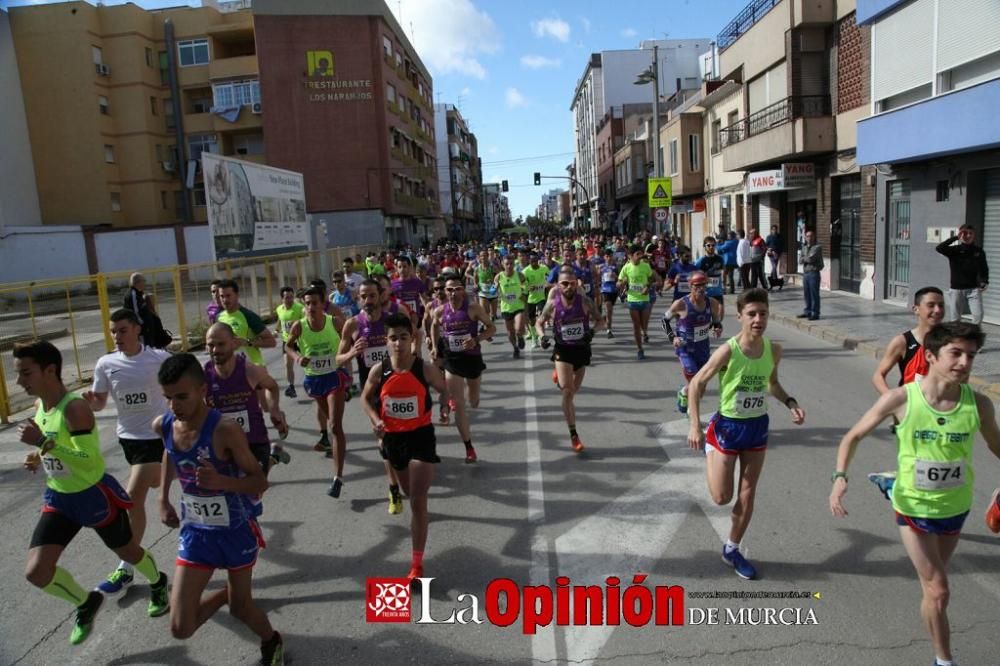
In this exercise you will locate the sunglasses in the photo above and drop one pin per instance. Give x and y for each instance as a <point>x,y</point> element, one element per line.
<point>452,289</point>
<point>709,245</point>
<point>566,284</point>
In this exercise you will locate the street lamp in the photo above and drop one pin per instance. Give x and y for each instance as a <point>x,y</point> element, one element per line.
<point>652,75</point>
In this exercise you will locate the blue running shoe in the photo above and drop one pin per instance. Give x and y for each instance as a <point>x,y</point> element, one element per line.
<point>335,487</point>
<point>884,481</point>
<point>736,560</point>
<point>116,583</point>
<point>641,355</point>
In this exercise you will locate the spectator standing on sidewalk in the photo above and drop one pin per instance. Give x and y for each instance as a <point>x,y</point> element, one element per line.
<point>811,261</point>
<point>144,307</point>
<point>775,248</point>
<point>744,255</point>
<point>969,275</point>
<point>758,250</point>
<point>727,248</point>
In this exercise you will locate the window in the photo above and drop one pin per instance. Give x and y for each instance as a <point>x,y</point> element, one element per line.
<point>716,134</point>
<point>98,55</point>
<point>399,56</point>
<point>628,170</point>
<point>390,93</point>
<point>102,104</point>
<point>387,45</point>
<point>153,105</point>
<point>163,199</point>
<point>164,68</point>
<point>402,103</point>
<point>201,104</point>
<point>192,52</point>
<point>198,194</point>
<point>733,118</point>
<point>237,93</point>
<point>943,190</point>
<point>116,202</point>
<point>109,153</point>
<point>725,216</point>
<point>248,144</point>
<point>168,113</point>
<point>694,152</point>
<point>149,57</point>
<point>673,157</point>
<point>179,203</point>
<point>199,143</point>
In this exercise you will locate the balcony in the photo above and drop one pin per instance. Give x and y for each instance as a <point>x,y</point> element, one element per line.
<point>634,189</point>
<point>233,68</point>
<point>745,20</point>
<point>794,126</point>
<point>419,205</point>
<point>246,120</point>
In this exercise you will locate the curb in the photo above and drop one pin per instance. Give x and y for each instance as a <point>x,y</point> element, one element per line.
<point>864,346</point>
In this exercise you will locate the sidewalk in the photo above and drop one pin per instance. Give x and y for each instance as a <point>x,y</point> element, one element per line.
<point>868,326</point>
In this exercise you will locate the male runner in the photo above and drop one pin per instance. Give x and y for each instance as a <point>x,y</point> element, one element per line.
<point>410,290</point>
<point>364,339</point>
<point>79,492</point>
<point>571,314</point>
<point>748,369</point>
<point>638,277</point>
<point>314,343</point>
<point>234,386</point>
<point>696,316</point>
<point>608,272</point>
<point>938,418</point>
<point>344,296</point>
<point>536,286</point>
<point>457,327</point>
<point>679,272</point>
<point>906,351</point>
<point>250,330</point>
<point>713,266</point>
<point>218,475</point>
<point>510,286</point>
<point>351,279</point>
<point>587,273</point>
<point>129,376</point>
<point>484,274</point>
<point>288,312</point>
<point>397,399</point>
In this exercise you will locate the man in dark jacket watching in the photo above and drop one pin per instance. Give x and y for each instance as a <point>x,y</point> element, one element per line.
<point>969,275</point>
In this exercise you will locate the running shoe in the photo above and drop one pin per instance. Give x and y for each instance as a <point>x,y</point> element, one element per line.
<point>451,405</point>
<point>395,502</point>
<point>611,334</point>
<point>555,377</point>
<point>85,614</point>
<point>272,653</point>
<point>577,444</point>
<point>517,353</point>
<point>470,455</point>
<point>993,513</point>
<point>736,560</point>
<point>280,455</point>
<point>884,481</point>
<point>335,487</point>
<point>520,342</point>
<point>444,416</point>
<point>290,391</point>
<point>116,583</point>
<point>535,344</point>
<point>323,444</point>
<point>645,337</point>
<point>159,597</point>
<point>414,574</point>
<point>354,390</point>
<point>640,354</point>
<point>682,402</point>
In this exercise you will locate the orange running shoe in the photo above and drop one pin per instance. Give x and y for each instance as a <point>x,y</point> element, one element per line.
<point>993,513</point>
<point>577,444</point>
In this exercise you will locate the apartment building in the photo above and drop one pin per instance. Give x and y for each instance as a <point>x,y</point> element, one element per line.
<point>802,67</point>
<point>684,163</point>
<point>935,80</point>
<point>459,174</point>
<point>18,193</point>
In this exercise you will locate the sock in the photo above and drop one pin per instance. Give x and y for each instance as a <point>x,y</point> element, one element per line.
<point>418,558</point>
<point>147,567</point>
<point>62,586</point>
<point>468,444</point>
<point>323,435</point>
<point>572,431</point>
<point>394,489</point>
<point>126,566</point>
<point>730,546</point>
<point>938,661</point>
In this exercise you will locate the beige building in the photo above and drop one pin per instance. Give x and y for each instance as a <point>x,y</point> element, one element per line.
<point>724,190</point>
<point>684,163</point>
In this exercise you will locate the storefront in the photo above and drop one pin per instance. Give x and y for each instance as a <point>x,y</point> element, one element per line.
<point>784,198</point>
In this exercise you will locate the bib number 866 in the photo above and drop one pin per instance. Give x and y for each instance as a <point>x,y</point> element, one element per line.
<point>402,407</point>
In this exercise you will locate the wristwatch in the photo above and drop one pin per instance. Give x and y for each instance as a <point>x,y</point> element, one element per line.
<point>838,475</point>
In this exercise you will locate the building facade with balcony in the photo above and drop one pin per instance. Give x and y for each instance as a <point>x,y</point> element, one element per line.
<point>935,79</point>
<point>684,163</point>
<point>724,190</point>
<point>610,136</point>
<point>608,81</point>
<point>803,68</point>
<point>459,174</point>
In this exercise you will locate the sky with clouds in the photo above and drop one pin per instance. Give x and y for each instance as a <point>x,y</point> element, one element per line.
<point>511,67</point>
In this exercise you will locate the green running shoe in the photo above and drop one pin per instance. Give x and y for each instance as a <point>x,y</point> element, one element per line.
<point>159,597</point>
<point>85,614</point>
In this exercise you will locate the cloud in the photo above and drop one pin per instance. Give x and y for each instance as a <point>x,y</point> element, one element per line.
<point>515,99</point>
<point>465,92</point>
<point>551,27</point>
<point>586,24</point>
<point>629,33</point>
<point>539,62</point>
<point>449,35</point>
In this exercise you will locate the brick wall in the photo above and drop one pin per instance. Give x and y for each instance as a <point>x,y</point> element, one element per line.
<point>853,47</point>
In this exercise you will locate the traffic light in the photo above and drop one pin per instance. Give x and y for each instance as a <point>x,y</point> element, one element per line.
<point>538,178</point>
<point>503,186</point>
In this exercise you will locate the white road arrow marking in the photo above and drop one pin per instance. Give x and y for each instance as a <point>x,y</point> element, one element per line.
<point>638,526</point>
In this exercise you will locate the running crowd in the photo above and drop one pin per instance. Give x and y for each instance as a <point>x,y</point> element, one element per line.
<point>398,329</point>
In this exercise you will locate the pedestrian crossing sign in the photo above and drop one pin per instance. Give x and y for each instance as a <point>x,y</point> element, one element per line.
<point>659,190</point>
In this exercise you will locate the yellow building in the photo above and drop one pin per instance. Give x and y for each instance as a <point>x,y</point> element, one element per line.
<point>101,117</point>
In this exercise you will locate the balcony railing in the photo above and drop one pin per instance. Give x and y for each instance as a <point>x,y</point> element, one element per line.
<point>752,13</point>
<point>779,113</point>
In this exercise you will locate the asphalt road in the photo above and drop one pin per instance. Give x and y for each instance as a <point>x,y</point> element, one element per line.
<point>530,511</point>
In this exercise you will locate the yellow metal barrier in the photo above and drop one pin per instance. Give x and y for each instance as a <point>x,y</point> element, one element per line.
<point>75,313</point>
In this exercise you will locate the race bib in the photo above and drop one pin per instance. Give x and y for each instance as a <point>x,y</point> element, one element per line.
<point>608,276</point>
<point>714,281</point>
<point>661,263</point>
<point>487,287</point>
<point>132,401</point>
<point>750,404</point>
<point>241,417</point>
<point>401,408</point>
<point>937,475</point>
<point>322,365</point>
<point>456,343</point>
<point>411,304</point>
<point>287,326</point>
<point>636,288</point>
<point>375,355</point>
<point>510,298</point>
<point>586,287</point>
<point>571,332</point>
<point>682,285</point>
<point>700,333</point>
<point>537,288</point>
<point>209,511</point>
<point>55,468</point>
